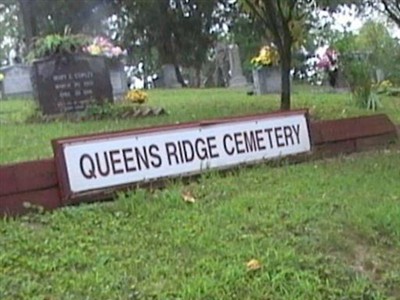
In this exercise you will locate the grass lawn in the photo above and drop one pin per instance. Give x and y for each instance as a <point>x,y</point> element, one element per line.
<point>320,230</point>
<point>20,141</point>
<point>326,229</point>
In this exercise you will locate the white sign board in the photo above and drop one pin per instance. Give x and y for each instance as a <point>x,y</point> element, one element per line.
<point>112,161</point>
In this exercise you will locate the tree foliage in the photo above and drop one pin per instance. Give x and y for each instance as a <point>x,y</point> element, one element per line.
<point>286,21</point>
<point>42,17</point>
<point>249,34</point>
<point>373,46</point>
<point>392,8</point>
<point>376,40</point>
<point>389,7</point>
<point>10,29</point>
<point>281,20</point>
<point>179,30</point>
<point>80,16</point>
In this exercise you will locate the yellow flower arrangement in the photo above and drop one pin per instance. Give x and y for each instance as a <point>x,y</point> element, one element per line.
<point>1,77</point>
<point>382,87</point>
<point>94,49</point>
<point>268,56</point>
<point>136,96</point>
<point>385,84</point>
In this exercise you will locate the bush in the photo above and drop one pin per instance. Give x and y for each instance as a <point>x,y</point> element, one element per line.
<point>358,74</point>
<point>57,44</point>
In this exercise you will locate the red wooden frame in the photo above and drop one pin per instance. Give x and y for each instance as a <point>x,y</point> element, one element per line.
<point>38,183</point>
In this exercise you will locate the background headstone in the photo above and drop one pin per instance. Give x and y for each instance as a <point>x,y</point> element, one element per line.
<point>119,80</point>
<point>17,81</point>
<point>169,76</point>
<point>267,80</point>
<point>237,78</point>
<point>71,83</point>
<point>379,75</point>
<point>221,71</point>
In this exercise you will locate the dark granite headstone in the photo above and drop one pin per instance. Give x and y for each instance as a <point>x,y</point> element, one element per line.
<point>70,83</point>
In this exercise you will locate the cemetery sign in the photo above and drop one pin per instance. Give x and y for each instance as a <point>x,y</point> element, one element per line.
<point>93,163</point>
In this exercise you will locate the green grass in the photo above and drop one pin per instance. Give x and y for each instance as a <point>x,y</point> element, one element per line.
<point>20,141</point>
<point>321,230</point>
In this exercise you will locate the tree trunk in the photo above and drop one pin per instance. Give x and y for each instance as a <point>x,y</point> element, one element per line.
<point>29,20</point>
<point>179,76</point>
<point>198,77</point>
<point>286,61</point>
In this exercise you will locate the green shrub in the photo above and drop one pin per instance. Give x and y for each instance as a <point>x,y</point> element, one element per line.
<point>57,44</point>
<point>358,73</point>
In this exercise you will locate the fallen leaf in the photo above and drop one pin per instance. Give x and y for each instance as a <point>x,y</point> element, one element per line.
<point>253,265</point>
<point>187,197</point>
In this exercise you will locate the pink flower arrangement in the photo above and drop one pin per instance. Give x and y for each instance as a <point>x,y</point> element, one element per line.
<point>329,60</point>
<point>102,46</point>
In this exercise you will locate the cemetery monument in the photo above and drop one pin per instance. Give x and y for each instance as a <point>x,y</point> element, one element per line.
<point>237,79</point>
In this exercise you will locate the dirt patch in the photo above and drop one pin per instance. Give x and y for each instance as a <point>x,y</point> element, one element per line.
<point>365,263</point>
<point>373,261</point>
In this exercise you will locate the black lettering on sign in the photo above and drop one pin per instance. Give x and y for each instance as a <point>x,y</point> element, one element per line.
<point>89,171</point>
<point>115,161</point>
<point>250,141</point>
<point>128,159</point>
<point>260,140</point>
<point>268,131</point>
<point>201,150</point>
<point>287,132</point>
<point>106,164</point>
<point>212,147</point>
<point>296,130</point>
<point>225,138</point>
<point>188,150</point>
<point>279,136</point>
<point>156,161</point>
<point>142,158</point>
<point>239,142</point>
<point>170,148</point>
<point>181,151</point>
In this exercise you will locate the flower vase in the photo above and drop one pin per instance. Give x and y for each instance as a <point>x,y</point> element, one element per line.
<point>267,80</point>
